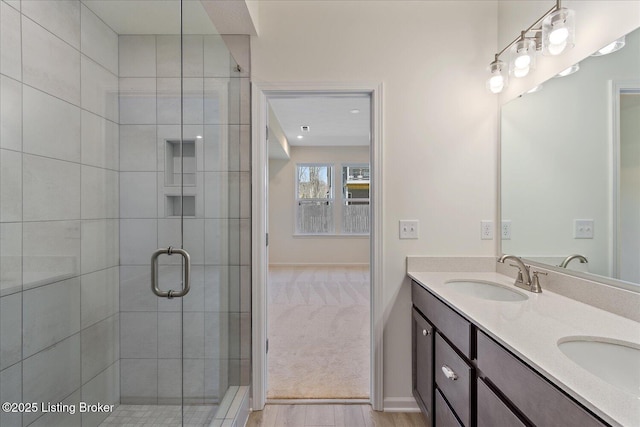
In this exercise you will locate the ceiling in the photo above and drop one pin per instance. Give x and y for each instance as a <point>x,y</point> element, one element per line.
<point>329,117</point>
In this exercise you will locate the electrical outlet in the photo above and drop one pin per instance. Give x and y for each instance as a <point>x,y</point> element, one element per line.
<point>505,230</point>
<point>583,229</point>
<point>409,229</point>
<point>486,230</point>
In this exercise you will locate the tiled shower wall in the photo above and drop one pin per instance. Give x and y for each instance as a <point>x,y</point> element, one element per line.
<point>59,248</point>
<point>214,318</point>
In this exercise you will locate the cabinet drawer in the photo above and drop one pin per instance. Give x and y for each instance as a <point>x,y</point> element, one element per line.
<point>453,326</point>
<point>422,362</point>
<point>444,415</point>
<point>492,411</point>
<point>541,402</point>
<point>454,378</point>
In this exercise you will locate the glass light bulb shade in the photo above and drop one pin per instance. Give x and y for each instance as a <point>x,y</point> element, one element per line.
<point>523,57</point>
<point>535,89</point>
<point>611,47</point>
<point>568,71</point>
<point>558,30</point>
<point>499,77</point>
<point>521,72</point>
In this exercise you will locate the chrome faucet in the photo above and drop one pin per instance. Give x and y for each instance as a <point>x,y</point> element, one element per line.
<point>570,258</point>
<point>524,279</point>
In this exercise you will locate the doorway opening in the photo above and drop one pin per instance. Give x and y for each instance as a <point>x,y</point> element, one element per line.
<point>315,289</point>
<point>318,287</point>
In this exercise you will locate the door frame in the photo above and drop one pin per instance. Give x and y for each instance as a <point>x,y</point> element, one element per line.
<point>260,92</point>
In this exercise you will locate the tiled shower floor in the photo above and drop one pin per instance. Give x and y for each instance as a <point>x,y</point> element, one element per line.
<point>168,415</point>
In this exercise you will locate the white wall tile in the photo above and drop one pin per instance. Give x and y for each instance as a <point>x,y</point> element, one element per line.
<point>58,419</point>
<point>10,330</point>
<point>138,148</point>
<point>169,381</point>
<point>10,257</point>
<point>99,90</point>
<point>169,335</point>
<point>217,60</point>
<point>99,295</point>
<point>193,384</point>
<point>100,141</point>
<point>216,242</point>
<point>193,101</point>
<point>10,113</point>
<point>212,386</point>
<point>216,101</point>
<point>100,347</point>
<point>51,314</point>
<point>49,64</point>
<point>51,250</point>
<point>138,240</point>
<point>10,186</point>
<point>51,189</point>
<point>217,147</point>
<point>192,51</point>
<point>168,56</point>
<point>137,56</point>
<point>168,101</point>
<point>61,17</point>
<point>193,239</point>
<point>138,381</point>
<point>138,335</point>
<point>99,42</point>
<point>52,373</point>
<point>194,300</point>
<point>104,388</point>
<point>100,197</point>
<point>193,333</point>
<point>100,243</point>
<point>10,42</point>
<point>239,102</point>
<point>11,391</point>
<point>138,195</point>
<point>216,204</point>
<point>135,290</point>
<point>51,126</point>
<point>169,234</point>
<point>239,47</point>
<point>216,288</point>
<point>137,101</point>
<point>14,3</point>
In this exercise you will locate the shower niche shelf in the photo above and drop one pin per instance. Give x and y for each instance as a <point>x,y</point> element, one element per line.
<point>173,207</point>
<point>180,161</point>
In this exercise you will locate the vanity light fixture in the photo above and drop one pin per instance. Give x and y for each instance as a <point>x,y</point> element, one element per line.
<point>611,47</point>
<point>567,72</point>
<point>551,34</point>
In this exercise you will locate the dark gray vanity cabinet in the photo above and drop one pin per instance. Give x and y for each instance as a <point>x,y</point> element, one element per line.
<point>444,379</point>
<point>463,378</point>
<point>422,346</point>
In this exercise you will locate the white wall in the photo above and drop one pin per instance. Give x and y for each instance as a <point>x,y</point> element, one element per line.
<point>440,132</point>
<point>284,248</point>
<point>598,22</point>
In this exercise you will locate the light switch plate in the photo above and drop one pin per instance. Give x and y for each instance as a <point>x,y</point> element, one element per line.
<point>409,229</point>
<point>583,229</point>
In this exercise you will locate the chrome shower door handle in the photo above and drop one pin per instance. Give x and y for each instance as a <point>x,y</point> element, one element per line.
<point>186,284</point>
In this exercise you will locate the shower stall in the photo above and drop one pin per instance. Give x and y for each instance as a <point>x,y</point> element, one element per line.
<point>124,214</point>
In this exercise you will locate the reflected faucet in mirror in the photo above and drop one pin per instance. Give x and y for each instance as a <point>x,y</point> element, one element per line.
<point>524,279</point>
<point>570,258</point>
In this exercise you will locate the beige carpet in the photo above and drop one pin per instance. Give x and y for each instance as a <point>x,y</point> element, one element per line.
<point>318,333</point>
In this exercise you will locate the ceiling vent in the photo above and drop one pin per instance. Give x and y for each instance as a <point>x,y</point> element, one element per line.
<point>305,128</point>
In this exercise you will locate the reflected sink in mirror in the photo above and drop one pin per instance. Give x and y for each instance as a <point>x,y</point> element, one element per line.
<point>616,362</point>
<point>486,290</point>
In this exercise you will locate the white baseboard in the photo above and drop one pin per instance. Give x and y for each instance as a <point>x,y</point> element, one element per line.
<point>400,404</point>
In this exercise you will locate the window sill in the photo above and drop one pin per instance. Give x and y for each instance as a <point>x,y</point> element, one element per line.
<point>331,236</point>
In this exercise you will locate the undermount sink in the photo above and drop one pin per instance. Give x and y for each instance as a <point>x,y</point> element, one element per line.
<point>486,290</point>
<point>616,362</point>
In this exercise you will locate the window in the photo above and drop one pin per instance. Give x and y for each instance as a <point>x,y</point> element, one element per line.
<point>314,199</point>
<point>355,198</point>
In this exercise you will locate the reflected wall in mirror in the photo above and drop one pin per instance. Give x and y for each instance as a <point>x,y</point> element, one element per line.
<point>570,168</point>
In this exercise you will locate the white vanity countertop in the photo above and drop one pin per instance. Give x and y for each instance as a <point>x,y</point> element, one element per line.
<point>531,329</point>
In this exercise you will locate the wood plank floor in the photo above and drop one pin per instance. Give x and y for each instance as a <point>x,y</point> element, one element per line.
<point>331,416</point>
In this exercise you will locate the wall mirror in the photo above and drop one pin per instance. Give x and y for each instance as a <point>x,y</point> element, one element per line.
<point>570,170</point>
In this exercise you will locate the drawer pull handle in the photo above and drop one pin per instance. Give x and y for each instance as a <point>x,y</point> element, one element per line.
<point>425,332</point>
<point>448,372</point>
